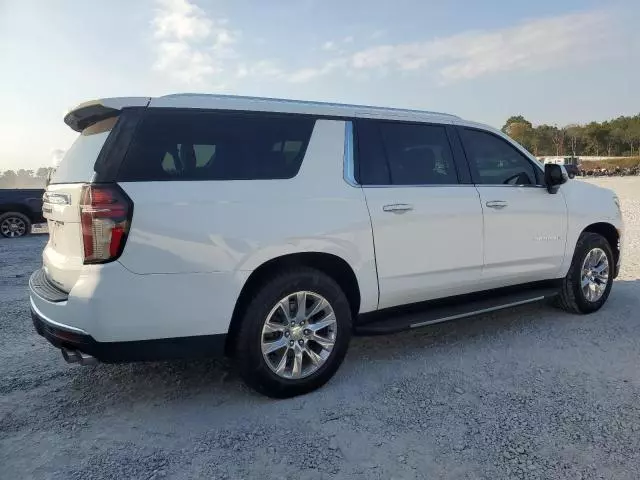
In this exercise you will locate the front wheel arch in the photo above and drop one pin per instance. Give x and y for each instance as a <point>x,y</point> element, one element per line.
<point>610,233</point>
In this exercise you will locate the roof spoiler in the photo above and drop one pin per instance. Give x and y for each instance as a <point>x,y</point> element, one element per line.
<point>93,111</point>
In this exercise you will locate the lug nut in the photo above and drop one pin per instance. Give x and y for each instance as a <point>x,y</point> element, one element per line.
<point>302,322</point>
<point>291,343</point>
<point>286,333</point>
<point>300,342</point>
<point>307,332</point>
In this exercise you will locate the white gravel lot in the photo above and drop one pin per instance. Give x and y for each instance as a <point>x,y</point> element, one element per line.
<point>530,392</point>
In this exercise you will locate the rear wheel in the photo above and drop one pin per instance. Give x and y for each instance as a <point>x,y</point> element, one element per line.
<point>294,334</point>
<point>14,224</point>
<point>588,283</point>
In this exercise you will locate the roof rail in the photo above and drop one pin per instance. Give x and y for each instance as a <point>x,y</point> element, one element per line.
<point>308,102</point>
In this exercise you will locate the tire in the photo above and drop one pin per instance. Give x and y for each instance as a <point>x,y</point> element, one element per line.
<point>572,297</point>
<point>14,224</point>
<point>254,367</point>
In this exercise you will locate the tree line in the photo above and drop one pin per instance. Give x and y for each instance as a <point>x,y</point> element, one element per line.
<point>25,178</point>
<point>616,137</point>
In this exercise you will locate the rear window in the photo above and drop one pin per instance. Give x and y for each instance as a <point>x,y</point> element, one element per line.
<point>77,165</point>
<point>174,145</point>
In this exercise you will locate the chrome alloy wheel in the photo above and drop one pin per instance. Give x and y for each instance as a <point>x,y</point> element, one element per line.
<point>13,227</point>
<point>298,335</point>
<point>594,275</point>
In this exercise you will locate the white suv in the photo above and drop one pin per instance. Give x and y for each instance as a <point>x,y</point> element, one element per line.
<point>274,230</point>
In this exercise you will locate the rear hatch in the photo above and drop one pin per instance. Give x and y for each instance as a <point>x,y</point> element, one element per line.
<point>64,254</point>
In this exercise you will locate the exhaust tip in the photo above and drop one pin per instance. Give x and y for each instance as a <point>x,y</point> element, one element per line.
<point>70,356</point>
<point>74,356</point>
<point>86,359</point>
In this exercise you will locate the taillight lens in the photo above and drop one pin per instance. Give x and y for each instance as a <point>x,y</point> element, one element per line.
<point>105,216</point>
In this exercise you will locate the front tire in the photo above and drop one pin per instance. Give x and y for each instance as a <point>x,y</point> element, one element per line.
<point>14,224</point>
<point>294,334</point>
<point>588,283</point>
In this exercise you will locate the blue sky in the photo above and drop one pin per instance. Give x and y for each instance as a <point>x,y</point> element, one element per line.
<point>555,62</point>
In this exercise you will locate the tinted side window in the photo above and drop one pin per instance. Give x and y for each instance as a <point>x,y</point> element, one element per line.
<point>175,145</point>
<point>372,166</point>
<point>79,161</point>
<point>418,154</point>
<point>494,161</point>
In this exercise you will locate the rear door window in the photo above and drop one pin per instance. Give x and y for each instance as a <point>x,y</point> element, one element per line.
<point>418,154</point>
<point>396,153</point>
<point>174,145</point>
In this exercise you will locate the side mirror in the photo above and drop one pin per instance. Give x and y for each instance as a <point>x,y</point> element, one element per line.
<point>554,176</point>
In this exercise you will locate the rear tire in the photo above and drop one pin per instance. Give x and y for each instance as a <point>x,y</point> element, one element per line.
<point>585,288</point>
<point>14,224</point>
<point>299,365</point>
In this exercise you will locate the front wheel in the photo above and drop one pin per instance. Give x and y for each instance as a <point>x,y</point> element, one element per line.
<point>588,283</point>
<point>14,224</point>
<point>294,334</point>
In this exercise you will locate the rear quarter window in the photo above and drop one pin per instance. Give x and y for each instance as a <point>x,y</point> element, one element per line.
<point>178,145</point>
<point>78,164</point>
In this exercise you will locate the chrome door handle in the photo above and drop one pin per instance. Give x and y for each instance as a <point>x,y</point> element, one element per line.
<point>497,204</point>
<point>397,208</point>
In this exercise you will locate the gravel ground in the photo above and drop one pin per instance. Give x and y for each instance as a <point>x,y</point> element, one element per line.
<point>524,393</point>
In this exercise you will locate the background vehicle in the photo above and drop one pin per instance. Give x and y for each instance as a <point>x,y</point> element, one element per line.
<point>19,209</point>
<point>273,230</point>
<point>571,164</point>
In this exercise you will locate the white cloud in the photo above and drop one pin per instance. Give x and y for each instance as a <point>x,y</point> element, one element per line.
<point>194,47</point>
<point>535,45</point>
<point>179,19</point>
<point>263,68</point>
<point>307,74</point>
<point>333,45</point>
<point>328,45</point>
<point>191,47</point>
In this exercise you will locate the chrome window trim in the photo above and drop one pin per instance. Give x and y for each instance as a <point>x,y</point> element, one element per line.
<point>503,185</point>
<point>420,186</point>
<point>348,160</point>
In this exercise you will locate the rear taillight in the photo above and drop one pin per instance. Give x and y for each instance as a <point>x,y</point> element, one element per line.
<point>105,216</point>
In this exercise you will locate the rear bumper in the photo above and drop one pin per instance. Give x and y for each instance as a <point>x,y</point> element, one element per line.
<point>112,304</point>
<point>61,336</point>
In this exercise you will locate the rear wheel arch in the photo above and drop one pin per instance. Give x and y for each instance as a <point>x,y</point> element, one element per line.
<point>332,265</point>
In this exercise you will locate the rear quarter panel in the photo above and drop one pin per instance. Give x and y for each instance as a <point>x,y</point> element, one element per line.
<point>190,227</point>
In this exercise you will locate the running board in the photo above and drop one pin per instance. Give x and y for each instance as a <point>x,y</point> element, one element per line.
<point>429,313</point>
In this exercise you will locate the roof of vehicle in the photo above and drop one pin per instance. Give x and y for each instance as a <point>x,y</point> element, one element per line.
<point>233,102</point>
<point>78,116</point>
